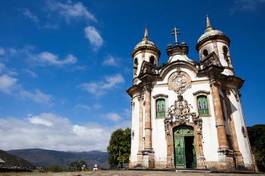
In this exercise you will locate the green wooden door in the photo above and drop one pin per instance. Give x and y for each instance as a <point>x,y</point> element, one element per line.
<point>184,144</point>
<point>180,160</point>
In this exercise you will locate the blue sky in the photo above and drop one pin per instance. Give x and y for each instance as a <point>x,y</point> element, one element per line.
<point>65,66</point>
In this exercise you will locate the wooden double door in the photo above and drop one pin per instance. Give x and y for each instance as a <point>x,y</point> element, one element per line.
<point>184,149</point>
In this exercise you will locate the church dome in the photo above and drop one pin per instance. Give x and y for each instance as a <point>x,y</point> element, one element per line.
<point>211,33</point>
<point>146,44</point>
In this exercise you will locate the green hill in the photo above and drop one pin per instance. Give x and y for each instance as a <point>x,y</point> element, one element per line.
<point>48,158</point>
<point>11,162</point>
<point>256,135</point>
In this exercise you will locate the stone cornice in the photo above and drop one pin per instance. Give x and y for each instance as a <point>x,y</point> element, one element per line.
<point>142,48</point>
<point>232,81</point>
<point>214,37</point>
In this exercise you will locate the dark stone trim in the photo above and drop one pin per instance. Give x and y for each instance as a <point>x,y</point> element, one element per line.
<point>160,95</point>
<point>201,92</point>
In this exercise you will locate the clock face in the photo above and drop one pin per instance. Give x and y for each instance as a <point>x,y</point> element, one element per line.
<point>179,81</point>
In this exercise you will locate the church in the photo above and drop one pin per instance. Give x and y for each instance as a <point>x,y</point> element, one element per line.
<point>187,114</point>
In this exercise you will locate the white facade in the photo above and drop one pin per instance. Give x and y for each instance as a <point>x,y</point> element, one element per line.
<point>199,100</point>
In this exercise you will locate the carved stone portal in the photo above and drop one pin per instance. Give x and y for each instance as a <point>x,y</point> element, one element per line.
<point>179,114</point>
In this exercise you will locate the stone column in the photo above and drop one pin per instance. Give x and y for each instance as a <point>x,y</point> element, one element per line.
<point>140,147</point>
<point>198,139</point>
<point>170,148</point>
<point>148,154</point>
<point>148,123</point>
<point>238,156</point>
<point>221,133</point>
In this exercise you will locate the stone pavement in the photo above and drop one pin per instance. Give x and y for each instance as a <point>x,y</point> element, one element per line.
<point>124,173</point>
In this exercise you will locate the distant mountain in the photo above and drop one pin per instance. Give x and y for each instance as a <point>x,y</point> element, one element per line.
<point>12,162</point>
<point>46,158</point>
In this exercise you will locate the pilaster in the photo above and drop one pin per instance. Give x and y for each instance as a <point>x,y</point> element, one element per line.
<point>148,153</point>
<point>140,147</point>
<point>225,154</point>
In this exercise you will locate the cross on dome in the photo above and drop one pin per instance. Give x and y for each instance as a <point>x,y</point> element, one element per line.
<point>175,32</point>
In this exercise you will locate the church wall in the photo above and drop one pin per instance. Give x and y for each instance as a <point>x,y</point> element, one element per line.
<point>209,133</point>
<point>158,131</point>
<point>135,129</point>
<point>243,142</point>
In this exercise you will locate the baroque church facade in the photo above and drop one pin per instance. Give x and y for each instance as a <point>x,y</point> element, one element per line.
<point>187,114</point>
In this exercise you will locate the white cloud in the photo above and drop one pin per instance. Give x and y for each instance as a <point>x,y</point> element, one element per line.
<point>110,61</point>
<point>51,131</point>
<point>70,10</point>
<point>36,96</point>
<point>113,116</point>
<point>94,37</point>
<point>83,131</point>
<point>27,13</point>
<point>52,59</point>
<point>99,88</point>
<point>42,119</point>
<point>111,81</point>
<point>42,58</point>
<point>7,83</point>
<point>31,73</point>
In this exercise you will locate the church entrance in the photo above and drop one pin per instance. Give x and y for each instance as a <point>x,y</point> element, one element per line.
<point>184,149</point>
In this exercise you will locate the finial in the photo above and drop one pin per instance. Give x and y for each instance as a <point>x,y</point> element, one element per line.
<point>208,24</point>
<point>175,32</point>
<point>145,34</point>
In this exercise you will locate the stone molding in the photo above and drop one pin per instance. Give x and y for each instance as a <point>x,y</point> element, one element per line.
<point>179,114</point>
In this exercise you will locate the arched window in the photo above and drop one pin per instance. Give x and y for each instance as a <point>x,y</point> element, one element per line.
<point>135,62</point>
<point>135,65</point>
<point>225,50</point>
<point>202,104</point>
<point>152,60</point>
<point>160,108</point>
<point>205,52</point>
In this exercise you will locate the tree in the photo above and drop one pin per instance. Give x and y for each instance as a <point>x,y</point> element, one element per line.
<point>77,165</point>
<point>257,140</point>
<point>119,147</point>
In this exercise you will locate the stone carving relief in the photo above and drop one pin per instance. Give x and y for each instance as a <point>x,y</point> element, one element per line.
<point>211,60</point>
<point>179,82</point>
<point>179,113</point>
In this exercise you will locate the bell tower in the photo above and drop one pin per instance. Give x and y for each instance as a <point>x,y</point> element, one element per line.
<point>144,51</point>
<point>214,41</point>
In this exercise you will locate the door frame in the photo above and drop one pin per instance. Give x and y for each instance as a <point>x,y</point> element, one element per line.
<point>179,138</point>
<point>197,144</point>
